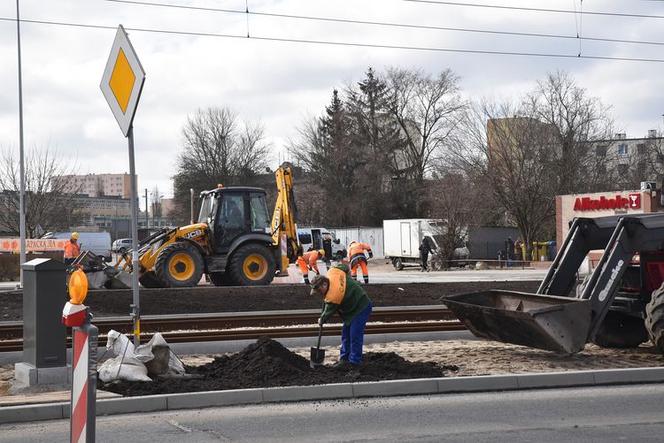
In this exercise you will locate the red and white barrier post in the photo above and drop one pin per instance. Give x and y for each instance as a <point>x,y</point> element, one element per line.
<point>84,361</point>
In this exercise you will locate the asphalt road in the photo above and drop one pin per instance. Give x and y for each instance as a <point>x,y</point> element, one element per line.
<point>602,414</point>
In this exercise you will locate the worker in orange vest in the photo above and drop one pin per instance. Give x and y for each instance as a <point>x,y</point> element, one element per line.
<point>357,257</point>
<point>72,248</point>
<point>309,262</point>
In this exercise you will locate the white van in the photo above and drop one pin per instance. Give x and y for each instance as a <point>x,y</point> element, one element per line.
<point>99,243</point>
<point>312,238</point>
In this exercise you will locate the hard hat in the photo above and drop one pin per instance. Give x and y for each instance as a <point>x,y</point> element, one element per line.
<point>321,252</point>
<point>74,235</point>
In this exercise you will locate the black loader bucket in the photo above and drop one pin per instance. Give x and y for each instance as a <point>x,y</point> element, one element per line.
<point>558,324</point>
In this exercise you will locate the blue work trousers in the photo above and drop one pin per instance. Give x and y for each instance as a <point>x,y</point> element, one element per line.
<point>352,337</point>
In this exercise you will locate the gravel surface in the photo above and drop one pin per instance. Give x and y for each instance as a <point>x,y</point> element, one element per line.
<point>259,298</point>
<point>479,357</point>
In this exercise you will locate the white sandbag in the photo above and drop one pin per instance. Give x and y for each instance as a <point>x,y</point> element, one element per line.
<point>145,354</point>
<point>125,365</point>
<point>119,343</point>
<point>117,368</point>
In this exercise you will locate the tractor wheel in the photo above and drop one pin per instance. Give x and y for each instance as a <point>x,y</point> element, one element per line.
<point>218,279</point>
<point>655,318</point>
<point>251,265</point>
<point>150,280</point>
<point>397,263</point>
<point>620,330</point>
<point>179,265</point>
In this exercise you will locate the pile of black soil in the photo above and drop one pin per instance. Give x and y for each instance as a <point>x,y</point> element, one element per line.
<point>267,363</point>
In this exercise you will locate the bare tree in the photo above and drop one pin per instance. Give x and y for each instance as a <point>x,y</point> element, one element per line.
<point>460,205</point>
<point>428,110</point>
<point>577,120</point>
<point>325,149</point>
<point>217,148</point>
<point>513,155</point>
<point>546,145</point>
<point>50,204</point>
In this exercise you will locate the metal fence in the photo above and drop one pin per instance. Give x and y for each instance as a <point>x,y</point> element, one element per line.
<point>373,236</point>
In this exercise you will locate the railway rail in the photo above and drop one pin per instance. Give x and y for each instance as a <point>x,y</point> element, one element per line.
<point>251,325</point>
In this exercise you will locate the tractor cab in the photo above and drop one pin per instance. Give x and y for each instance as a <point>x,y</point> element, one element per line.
<point>232,213</point>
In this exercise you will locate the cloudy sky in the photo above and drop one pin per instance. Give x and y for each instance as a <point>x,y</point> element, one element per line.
<point>283,83</point>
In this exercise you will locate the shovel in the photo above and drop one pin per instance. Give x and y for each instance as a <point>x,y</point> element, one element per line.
<point>317,354</point>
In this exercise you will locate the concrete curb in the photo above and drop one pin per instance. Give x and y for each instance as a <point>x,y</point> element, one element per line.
<point>487,383</point>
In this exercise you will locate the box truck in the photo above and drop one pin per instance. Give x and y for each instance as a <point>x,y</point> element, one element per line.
<point>402,238</point>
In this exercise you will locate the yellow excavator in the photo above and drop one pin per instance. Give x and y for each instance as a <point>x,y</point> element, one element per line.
<point>234,242</point>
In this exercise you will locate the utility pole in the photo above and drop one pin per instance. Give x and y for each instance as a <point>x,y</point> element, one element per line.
<point>191,204</point>
<point>147,216</point>
<point>21,198</point>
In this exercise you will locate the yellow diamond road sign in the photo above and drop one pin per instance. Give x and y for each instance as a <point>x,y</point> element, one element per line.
<point>123,80</point>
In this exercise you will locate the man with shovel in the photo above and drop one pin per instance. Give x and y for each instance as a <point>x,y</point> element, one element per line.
<point>344,295</point>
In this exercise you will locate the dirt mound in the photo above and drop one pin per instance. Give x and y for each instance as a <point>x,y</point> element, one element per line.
<point>267,363</point>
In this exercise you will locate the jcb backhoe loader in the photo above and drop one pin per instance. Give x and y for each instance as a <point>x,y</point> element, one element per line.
<point>234,242</point>
<point>621,304</point>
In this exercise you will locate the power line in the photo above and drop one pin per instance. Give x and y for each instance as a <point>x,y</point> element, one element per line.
<point>521,8</point>
<point>388,24</point>
<point>342,44</point>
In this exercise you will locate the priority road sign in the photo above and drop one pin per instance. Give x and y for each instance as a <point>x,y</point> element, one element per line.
<point>122,84</point>
<point>123,80</point>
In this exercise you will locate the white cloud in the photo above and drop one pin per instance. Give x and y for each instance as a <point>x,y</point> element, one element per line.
<point>282,83</point>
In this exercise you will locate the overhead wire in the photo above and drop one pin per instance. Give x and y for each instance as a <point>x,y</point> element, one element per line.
<point>339,43</point>
<point>531,9</point>
<point>384,23</point>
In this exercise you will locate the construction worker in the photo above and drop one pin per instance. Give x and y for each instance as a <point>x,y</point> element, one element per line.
<point>72,248</point>
<point>357,257</point>
<point>344,295</point>
<point>425,250</point>
<point>309,262</point>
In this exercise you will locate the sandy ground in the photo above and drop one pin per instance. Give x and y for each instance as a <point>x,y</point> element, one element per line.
<point>476,357</point>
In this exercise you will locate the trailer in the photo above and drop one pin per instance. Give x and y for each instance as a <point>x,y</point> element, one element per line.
<point>402,238</point>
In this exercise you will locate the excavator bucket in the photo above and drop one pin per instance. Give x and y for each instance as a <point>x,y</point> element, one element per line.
<point>558,324</point>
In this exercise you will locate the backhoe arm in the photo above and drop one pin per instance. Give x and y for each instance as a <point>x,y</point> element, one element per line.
<point>284,226</point>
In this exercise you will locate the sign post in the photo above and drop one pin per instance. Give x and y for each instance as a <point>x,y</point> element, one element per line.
<point>121,85</point>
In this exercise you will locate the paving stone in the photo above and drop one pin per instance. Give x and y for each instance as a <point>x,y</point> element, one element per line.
<point>126,405</point>
<point>396,387</point>
<point>295,393</point>
<point>27,413</point>
<point>634,375</point>
<point>214,398</point>
<point>478,383</point>
<point>555,379</point>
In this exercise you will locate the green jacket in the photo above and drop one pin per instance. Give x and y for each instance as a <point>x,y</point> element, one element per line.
<point>353,302</point>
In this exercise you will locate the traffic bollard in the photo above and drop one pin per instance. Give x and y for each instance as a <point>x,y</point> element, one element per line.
<point>84,383</point>
<point>84,360</point>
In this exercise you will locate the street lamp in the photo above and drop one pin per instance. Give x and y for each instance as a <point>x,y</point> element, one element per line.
<point>21,198</point>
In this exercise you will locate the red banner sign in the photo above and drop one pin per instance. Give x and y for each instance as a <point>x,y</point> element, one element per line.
<point>32,245</point>
<point>632,201</point>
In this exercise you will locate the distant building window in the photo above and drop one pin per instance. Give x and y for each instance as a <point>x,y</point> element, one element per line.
<point>600,151</point>
<point>622,169</point>
<point>641,148</point>
<point>622,149</point>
